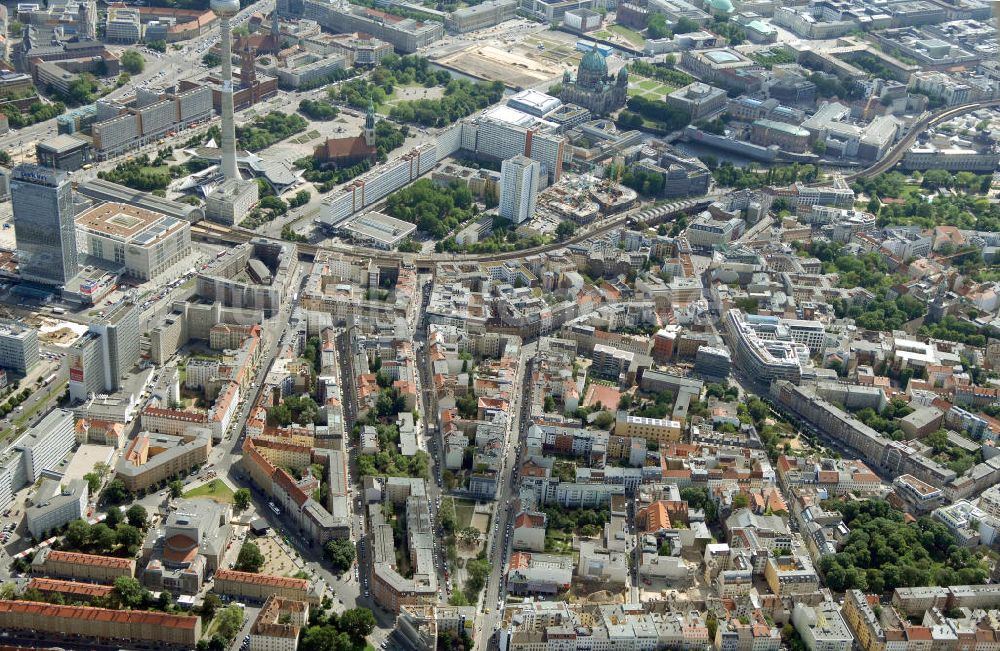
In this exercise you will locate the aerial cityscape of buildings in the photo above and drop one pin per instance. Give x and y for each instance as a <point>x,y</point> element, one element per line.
<point>514,325</point>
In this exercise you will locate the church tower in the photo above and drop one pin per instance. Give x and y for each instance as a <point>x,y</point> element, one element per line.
<point>370,124</point>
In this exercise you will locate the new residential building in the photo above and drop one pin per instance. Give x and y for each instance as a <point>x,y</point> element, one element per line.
<point>519,188</point>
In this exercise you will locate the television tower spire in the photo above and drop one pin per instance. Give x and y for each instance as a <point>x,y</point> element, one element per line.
<point>226,9</point>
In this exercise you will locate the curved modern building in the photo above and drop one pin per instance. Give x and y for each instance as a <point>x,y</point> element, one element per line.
<point>763,357</point>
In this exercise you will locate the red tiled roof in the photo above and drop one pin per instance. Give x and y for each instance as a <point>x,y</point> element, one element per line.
<point>520,560</point>
<point>918,633</point>
<point>287,483</point>
<point>533,520</point>
<point>88,559</point>
<point>135,617</point>
<point>250,453</point>
<point>261,579</point>
<point>176,414</point>
<point>340,148</point>
<point>70,587</point>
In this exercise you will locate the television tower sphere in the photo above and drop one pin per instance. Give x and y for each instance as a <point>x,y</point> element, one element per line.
<point>225,8</point>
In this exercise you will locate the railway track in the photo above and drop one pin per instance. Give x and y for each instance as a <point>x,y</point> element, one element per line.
<point>235,235</point>
<point>889,161</point>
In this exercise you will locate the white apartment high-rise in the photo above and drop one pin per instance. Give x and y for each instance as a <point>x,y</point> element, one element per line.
<point>119,330</point>
<point>18,347</point>
<point>47,443</point>
<point>519,188</point>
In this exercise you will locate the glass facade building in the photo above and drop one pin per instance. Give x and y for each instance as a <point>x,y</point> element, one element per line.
<point>44,225</point>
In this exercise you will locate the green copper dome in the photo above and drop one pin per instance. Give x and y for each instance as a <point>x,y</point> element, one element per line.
<point>722,6</point>
<point>594,62</point>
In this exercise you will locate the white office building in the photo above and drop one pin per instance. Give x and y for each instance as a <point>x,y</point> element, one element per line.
<point>519,188</point>
<point>18,347</point>
<point>47,443</point>
<point>55,504</point>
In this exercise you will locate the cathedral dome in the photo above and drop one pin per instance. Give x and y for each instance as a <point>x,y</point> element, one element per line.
<point>593,62</point>
<point>721,6</point>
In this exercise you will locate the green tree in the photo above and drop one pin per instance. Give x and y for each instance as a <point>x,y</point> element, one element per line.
<point>249,559</point>
<point>137,516</point>
<point>128,537</point>
<point>93,482</point>
<point>604,420</point>
<point>113,517</point>
<point>116,492</point>
<point>358,623</point>
<point>470,535</point>
<point>176,488</point>
<point>241,499</point>
<point>102,538</point>
<point>325,638</point>
<point>685,25</point>
<point>230,621</point>
<point>78,534</point>
<point>935,179</point>
<point>132,62</point>
<point>128,592</point>
<point>340,553</point>
<point>656,26</point>
<point>477,571</point>
<point>565,229</point>
<point>209,605</point>
<point>741,501</point>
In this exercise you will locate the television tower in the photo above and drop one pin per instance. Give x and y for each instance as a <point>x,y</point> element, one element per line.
<point>226,9</point>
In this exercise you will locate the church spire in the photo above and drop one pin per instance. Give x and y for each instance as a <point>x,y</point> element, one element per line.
<point>370,123</point>
<point>370,115</point>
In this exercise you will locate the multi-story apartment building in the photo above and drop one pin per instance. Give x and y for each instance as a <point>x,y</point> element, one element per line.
<point>124,126</point>
<point>151,458</point>
<point>234,281</point>
<point>43,225</point>
<point>124,626</point>
<point>18,347</point>
<point>54,505</point>
<point>481,16</point>
<point>761,356</point>
<point>87,567</point>
<point>660,430</point>
<point>70,590</point>
<point>248,586</point>
<point>47,443</point>
<point>279,624</point>
<point>787,575</point>
<point>406,35</point>
<point>519,188</point>
<point>821,627</point>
